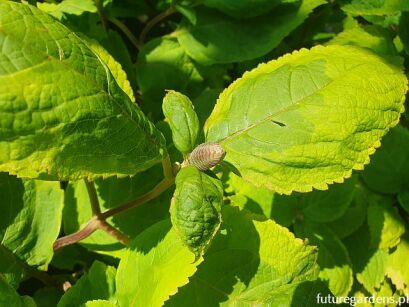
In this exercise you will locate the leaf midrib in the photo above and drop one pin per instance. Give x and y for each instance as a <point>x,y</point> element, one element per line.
<point>70,67</point>
<point>287,108</point>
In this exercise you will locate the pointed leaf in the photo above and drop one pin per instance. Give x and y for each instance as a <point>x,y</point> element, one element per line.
<point>83,125</point>
<point>154,267</point>
<point>183,120</point>
<point>309,118</point>
<point>195,208</point>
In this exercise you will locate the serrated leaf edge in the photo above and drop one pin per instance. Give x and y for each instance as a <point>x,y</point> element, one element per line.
<point>346,174</point>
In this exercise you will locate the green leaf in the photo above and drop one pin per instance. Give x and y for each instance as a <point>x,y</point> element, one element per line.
<point>113,192</point>
<point>390,21</point>
<point>114,67</point>
<point>354,216</point>
<point>183,120</point>
<point>66,129</point>
<point>374,271</point>
<point>320,206</point>
<point>9,296</point>
<point>195,208</point>
<point>71,257</point>
<point>254,199</point>
<point>31,218</point>
<point>389,169</point>
<point>48,297</point>
<point>248,265</point>
<point>397,269</point>
<point>217,38</point>
<point>384,296</point>
<point>404,31</point>
<point>99,303</point>
<point>323,118</point>
<point>72,7</point>
<point>11,267</point>
<point>375,7</point>
<point>164,65</point>
<point>385,225</point>
<point>98,283</point>
<point>243,8</point>
<point>403,199</point>
<point>333,258</point>
<point>204,105</point>
<point>154,267</point>
<point>387,290</point>
<point>187,11</point>
<point>112,42</point>
<point>372,37</point>
<point>358,246</point>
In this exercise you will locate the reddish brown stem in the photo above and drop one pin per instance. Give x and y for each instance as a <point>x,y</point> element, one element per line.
<point>155,192</point>
<point>113,232</point>
<point>77,236</point>
<point>98,221</point>
<point>93,197</point>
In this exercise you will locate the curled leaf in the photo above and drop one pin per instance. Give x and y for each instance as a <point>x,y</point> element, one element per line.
<point>195,208</point>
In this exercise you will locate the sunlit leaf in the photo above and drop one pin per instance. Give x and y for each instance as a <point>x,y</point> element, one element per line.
<point>63,114</point>
<point>323,118</point>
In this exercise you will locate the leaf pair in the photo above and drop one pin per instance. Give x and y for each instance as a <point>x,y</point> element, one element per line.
<point>196,204</point>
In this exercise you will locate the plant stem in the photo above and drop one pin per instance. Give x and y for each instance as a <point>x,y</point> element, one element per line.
<point>155,20</point>
<point>155,192</point>
<point>161,187</point>
<point>101,14</point>
<point>75,237</point>
<point>93,198</point>
<point>113,232</point>
<point>126,31</point>
<point>98,221</point>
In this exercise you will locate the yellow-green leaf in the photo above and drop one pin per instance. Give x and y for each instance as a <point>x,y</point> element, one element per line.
<point>309,118</point>
<point>63,115</point>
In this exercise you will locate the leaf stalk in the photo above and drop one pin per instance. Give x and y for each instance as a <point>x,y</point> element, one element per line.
<point>98,220</point>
